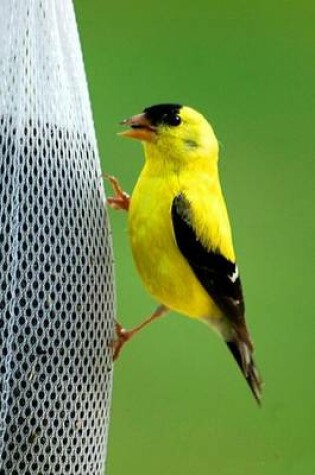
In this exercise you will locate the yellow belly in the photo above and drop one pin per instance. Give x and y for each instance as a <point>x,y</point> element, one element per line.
<point>166,274</point>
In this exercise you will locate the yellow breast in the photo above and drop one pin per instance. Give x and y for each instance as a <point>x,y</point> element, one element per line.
<point>164,271</point>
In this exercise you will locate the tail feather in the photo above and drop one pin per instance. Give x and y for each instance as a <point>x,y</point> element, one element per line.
<point>243,354</point>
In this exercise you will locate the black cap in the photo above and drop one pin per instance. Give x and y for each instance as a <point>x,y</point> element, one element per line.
<point>163,114</point>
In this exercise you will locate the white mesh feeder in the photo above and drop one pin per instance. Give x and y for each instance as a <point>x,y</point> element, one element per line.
<point>56,276</point>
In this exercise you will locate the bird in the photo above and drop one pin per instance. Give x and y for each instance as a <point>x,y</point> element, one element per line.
<point>179,230</point>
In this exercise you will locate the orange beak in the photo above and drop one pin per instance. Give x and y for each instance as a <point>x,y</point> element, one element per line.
<point>140,128</point>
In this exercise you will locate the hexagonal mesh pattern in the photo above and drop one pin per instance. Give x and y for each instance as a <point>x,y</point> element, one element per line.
<point>56,271</point>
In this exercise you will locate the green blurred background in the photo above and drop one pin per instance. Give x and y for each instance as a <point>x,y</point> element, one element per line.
<point>180,404</point>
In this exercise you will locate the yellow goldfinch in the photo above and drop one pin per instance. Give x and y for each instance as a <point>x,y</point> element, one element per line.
<point>179,229</point>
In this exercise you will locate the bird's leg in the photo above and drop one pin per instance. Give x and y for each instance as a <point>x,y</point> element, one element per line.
<point>121,200</point>
<point>123,335</point>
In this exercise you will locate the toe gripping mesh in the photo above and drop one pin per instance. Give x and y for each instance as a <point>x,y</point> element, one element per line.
<point>56,280</point>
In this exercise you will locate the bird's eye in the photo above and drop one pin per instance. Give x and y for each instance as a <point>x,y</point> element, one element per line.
<point>173,120</point>
<point>176,120</point>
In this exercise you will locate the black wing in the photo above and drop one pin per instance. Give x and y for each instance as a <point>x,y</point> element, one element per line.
<point>218,275</point>
<point>220,278</point>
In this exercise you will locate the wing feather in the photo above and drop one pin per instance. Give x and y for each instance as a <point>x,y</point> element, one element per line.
<point>217,274</point>
<point>220,278</point>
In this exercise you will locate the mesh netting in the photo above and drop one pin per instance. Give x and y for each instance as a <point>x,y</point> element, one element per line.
<point>56,277</point>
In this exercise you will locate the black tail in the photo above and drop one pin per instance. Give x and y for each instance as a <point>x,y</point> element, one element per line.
<point>243,355</point>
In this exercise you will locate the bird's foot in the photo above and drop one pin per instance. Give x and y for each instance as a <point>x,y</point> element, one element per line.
<point>123,335</point>
<point>121,199</point>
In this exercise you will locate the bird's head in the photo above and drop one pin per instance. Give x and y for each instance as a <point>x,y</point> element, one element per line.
<point>175,134</point>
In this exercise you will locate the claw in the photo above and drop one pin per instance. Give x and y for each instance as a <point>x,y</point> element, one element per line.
<point>121,200</point>
<point>123,335</point>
